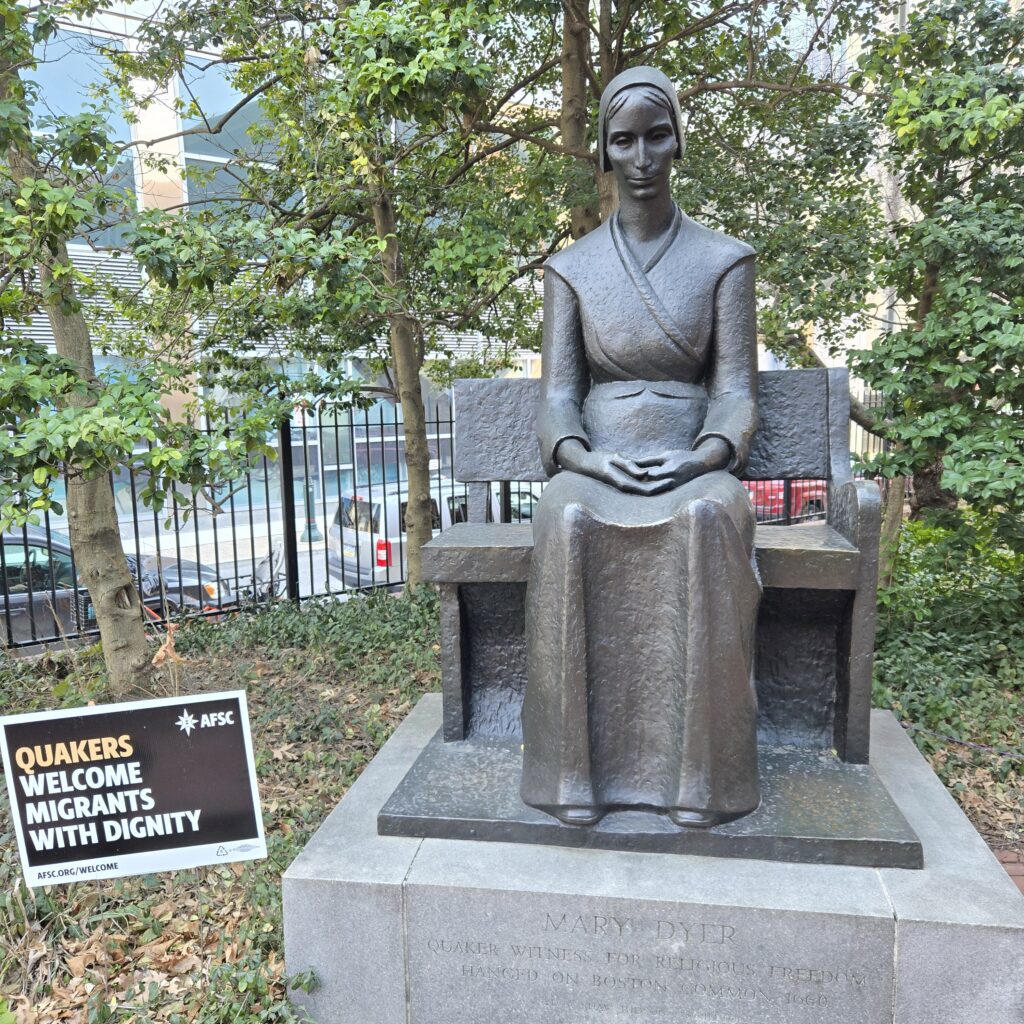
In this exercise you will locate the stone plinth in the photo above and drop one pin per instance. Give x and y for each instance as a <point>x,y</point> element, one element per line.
<point>437,931</point>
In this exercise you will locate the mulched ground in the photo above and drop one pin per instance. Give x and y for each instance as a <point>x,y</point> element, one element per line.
<point>204,946</point>
<point>325,690</point>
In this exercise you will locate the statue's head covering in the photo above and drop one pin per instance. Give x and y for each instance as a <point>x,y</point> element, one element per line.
<point>652,78</point>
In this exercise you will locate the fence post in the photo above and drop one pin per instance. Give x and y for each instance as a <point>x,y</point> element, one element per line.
<point>506,501</point>
<point>291,541</point>
<point>787,497</point>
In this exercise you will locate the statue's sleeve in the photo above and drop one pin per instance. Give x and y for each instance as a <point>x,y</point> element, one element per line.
<point>732,377</point>
<point>566,379</point>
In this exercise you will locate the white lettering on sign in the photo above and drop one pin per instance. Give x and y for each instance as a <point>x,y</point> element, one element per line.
<point>217,718</point>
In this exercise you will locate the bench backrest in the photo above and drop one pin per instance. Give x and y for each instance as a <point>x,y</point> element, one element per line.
<point>804,430</point>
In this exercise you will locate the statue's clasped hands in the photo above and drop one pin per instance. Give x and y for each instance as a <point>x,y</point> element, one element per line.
<point>651,475</point>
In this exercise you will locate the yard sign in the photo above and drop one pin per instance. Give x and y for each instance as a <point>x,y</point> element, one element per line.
<point>128,789</point>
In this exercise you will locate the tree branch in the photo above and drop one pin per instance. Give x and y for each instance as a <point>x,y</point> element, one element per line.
<point>818,29</point>
<point>606,42</point>
<point>750,38</point>
<point>416,143</point>
<point>577,11</point>
<point>214,129</point>
<point>709,21</point>
<point>524,83</point>
<point>866,418</point>
<point>546,144</point>
<point>479,155</point>
<point>625,13</point>
<point>755,85</point>
<point>526,268</point>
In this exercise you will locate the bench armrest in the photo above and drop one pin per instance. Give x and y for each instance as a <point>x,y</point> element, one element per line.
<point>855,512</point>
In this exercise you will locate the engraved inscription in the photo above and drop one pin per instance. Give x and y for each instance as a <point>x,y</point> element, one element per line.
<point>686,969</point>
<point>595,924</point>
<point>709,934</point>
<point>465,948</point>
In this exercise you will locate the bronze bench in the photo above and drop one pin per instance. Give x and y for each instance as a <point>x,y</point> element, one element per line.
<point>819,579</point>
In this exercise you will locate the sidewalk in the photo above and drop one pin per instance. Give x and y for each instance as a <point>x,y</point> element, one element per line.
<point>1013,862</point>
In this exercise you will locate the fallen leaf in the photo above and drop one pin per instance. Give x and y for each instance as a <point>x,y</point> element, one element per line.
<point>186,964</point>
<point>23,1011</point>
<point>167,651</point>
<point>77,965</point>
<point>168,909</point>
<point>155,950</point>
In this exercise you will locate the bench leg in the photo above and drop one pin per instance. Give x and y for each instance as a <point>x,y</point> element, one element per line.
<point>855,511</point>
<point>453,664</point>
<point>856,659</point>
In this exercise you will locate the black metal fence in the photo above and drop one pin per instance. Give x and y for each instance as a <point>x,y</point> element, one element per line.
<point>322,519</point>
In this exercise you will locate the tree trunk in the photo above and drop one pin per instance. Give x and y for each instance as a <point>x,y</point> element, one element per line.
<point>608,194</point>
<point>892,520</point>
<point>607,186</point>
<point>407,359</point>
<point>928,490</point>
<point>92,515</point>
<point>583,217</point>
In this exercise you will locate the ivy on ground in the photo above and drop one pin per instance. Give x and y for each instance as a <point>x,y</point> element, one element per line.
<point>949,660</point>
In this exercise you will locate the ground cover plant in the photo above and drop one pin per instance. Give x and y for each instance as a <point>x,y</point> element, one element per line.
<point>949,660</point>
<point>326,686</point>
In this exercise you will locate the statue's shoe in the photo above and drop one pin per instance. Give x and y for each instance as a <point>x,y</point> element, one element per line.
<point>583,815</point>
<point>694,819</point>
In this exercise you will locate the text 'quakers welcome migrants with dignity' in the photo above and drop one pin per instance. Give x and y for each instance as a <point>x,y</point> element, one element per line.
<point>68,818</point>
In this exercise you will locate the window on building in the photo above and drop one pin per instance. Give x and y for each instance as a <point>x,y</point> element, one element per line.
<point>208,94</point>
<point>216,161</point>
<point>336,438</point>
<point>212,183</point>
<point>71,68</point>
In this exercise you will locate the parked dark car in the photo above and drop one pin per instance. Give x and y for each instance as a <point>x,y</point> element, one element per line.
<point>40,598</point>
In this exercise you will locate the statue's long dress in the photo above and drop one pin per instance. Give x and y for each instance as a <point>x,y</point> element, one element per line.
<point>641,609</point>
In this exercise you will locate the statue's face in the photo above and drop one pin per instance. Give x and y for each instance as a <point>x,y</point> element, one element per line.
<point>640,146</point>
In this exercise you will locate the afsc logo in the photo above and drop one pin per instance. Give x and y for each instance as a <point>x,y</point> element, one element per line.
<point>217,718</point>
<point>186,721</point>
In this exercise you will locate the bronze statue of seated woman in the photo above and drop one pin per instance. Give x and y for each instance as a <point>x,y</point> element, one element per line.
<point>642,598</point>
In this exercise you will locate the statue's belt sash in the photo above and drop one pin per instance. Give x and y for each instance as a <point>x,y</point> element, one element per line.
<point>661,388</point>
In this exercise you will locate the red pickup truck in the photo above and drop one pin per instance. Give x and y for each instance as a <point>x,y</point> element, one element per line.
<point>808,499</point>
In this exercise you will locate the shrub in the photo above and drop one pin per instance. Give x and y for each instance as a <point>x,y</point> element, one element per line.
<point>949,658</point>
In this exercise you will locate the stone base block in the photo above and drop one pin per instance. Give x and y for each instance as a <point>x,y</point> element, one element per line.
<point>402,930</point>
